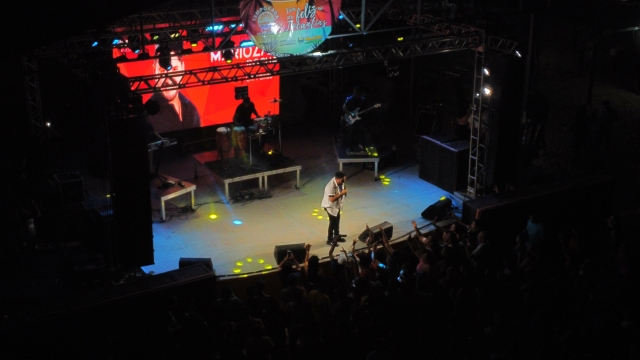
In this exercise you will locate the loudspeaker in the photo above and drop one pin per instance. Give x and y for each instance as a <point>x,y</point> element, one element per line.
<point>453,166</point>
<point>439,209</point>
<point>387,227</point>
<point>131,199</point>
<point>241,92</point>
<point>429,155</point>
<point>186,262</point>
<point>280,252</point>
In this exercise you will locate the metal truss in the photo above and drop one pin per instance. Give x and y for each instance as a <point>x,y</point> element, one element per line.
<point>480,130</point>
<point>32,87</point>
<point>299,64</point>
<point>442,26</point>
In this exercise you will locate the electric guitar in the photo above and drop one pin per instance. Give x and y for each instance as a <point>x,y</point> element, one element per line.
<point>355,115</point>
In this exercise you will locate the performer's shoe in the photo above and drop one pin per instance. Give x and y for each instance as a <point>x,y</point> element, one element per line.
<point>342,240</point>
<point>329,242</point>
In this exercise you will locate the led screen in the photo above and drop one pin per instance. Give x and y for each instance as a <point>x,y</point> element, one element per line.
<point>204,105</point>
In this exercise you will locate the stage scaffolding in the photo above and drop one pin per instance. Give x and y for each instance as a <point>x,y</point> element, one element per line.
<point>361,19</point>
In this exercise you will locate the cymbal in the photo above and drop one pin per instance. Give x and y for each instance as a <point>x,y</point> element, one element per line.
<point>275,101</point>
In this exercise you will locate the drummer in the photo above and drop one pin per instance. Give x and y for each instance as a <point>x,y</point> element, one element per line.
<point>242,116</point>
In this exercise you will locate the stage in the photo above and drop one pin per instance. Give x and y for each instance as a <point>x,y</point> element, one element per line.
<point>239,231</point>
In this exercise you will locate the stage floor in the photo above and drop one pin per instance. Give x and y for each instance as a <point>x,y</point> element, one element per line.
<point>239,235</point>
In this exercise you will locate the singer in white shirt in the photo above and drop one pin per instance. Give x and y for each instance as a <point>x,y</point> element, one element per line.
<point>334,195</point>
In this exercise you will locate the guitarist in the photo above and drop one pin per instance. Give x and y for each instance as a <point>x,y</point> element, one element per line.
<point>352,104</point>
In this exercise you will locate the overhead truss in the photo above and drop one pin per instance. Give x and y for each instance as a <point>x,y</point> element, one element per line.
<point>195,24</point>
<point>300,64</point>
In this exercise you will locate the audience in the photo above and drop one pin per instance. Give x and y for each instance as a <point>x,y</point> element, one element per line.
<point>447,293</point>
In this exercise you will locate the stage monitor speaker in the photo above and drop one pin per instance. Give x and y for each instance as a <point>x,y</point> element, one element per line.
<point>280,252</point>
<point>440,209</point>
<point>429,154</point>
<point>387,227</point>
<point>186,262</point>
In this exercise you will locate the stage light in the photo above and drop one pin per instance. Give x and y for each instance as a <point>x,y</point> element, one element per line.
<point>95,43</point>
<point>228,56</point>
<point>237,222</point>
<point>260,261</point>
<point>443,198</point>
<point>213,216</point>
<point>314,214</point>
<point>486,71</point>
<point>518,54</point>
<point>487,90</point>
<point>174,34</point>
<point>215,27</point>
<point>144,55</point>
<point>236,271</point>
<point>47,124</point>
<point>340,17</point>
<point>382,176</point>
<point>268,267</point>
<point>154,36</point>
<point>246,43</point>
<point>249,259</point>
<point>400,38</point>
<point>194,43</point>
<point>239,263</point>
<point>164,57</point>
<point>117,41</point>
<point>316,210</point>
<point>319,217</point>
<point>358,26</point>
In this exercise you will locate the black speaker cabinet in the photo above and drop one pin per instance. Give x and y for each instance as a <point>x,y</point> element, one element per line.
<point>280,252</point>
<point>186,262</point>
<point>387,227</point>
<point>453,166</point>
<point>440,209</point>
<point>429,155</point>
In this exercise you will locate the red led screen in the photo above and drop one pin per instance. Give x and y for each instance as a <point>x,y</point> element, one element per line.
<point>214,104</point>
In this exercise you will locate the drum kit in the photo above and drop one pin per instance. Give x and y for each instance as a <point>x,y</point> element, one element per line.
<point>235,138</point>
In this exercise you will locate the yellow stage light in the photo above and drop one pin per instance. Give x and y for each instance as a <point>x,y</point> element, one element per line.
<point>243,275</point>
<point>443,198</point>
<point>268,267</point>
<point>249,259</point>
<point>236,270</point>
<point>315,214</point>
<point>316,210</point>
<point>319,216</point>
<point>382,176</point>
<point>239,263</point>
<point>213,216</point>
<point>260,261</point>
